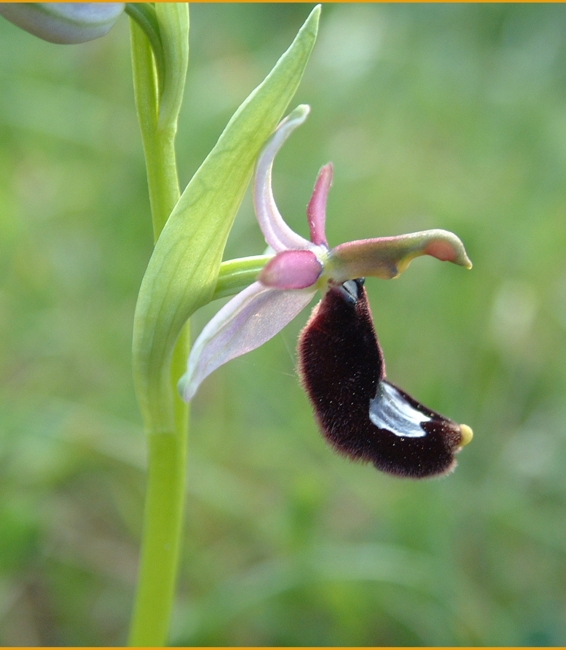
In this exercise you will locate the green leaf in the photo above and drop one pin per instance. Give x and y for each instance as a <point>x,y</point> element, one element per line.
<point>183,270</point>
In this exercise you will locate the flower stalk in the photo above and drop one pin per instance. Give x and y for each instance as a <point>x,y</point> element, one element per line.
<point>167,450</point>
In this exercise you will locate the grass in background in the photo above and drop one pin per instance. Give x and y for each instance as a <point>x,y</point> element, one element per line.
<point>449,116</point>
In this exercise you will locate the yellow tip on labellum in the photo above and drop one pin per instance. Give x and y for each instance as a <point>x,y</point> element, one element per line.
<point>466,433</point>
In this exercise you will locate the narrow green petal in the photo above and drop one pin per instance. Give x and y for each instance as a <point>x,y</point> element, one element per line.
<point>183,271</point>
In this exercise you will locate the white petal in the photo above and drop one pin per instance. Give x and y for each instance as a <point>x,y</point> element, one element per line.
<point>276,232</point>
<point>250,319</point>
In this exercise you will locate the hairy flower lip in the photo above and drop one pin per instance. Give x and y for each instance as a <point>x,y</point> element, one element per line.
<point>360,413</point>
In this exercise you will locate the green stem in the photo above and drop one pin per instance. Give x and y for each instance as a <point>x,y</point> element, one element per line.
<point>160,544</point>
<point>167,451</point>
<point>238,274</point>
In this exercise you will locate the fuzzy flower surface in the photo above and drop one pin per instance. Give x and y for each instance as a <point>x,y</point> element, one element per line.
<point>300,267</point>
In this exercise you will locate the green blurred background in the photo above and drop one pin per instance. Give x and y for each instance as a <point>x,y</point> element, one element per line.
<point>448,116</point>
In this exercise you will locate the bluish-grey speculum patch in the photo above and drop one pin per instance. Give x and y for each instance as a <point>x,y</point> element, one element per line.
<point>390,410</point>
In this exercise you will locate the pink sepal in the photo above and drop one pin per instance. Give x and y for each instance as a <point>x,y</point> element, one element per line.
<point>250,319</point>
<point>276,232</point>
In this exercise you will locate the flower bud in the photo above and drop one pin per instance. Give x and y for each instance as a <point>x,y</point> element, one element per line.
<point>64,22</point>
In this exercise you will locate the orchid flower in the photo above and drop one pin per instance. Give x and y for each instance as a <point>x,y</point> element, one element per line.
<point>340,362</point>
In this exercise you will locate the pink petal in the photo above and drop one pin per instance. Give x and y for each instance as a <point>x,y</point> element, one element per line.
<point>316,209</point>
<point>276,232</point>
<point>291,270</point>
<point>250,319</point>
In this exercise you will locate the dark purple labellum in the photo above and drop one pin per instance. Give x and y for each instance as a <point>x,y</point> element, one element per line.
<point>362,415</point>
